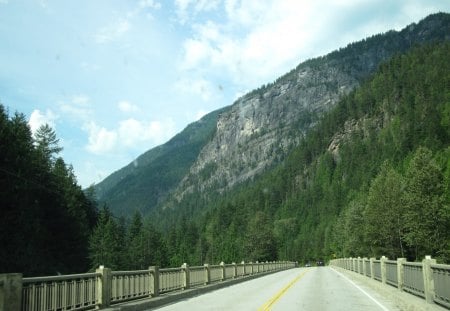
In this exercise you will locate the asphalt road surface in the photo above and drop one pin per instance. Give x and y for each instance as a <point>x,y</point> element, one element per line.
<point>321,288</point>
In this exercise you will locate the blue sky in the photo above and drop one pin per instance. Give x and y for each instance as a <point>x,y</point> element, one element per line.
<point>116,78</point>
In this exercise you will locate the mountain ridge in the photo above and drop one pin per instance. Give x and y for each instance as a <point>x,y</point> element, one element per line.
<point>262,127</point>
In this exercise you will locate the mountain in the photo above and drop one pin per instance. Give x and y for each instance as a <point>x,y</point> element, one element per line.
<point>370,178</point>
<point>259,130</point>
<point>147,180</point>
<point>262,127</point>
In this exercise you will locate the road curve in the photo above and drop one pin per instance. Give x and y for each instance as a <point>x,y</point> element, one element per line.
<point>320,288</point>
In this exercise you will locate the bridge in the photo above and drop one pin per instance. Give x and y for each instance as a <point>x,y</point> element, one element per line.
<point>346,284</point>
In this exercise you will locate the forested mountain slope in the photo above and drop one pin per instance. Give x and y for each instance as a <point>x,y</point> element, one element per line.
<point>371,178</point>
<point>258,131</point>
<point>142,184</point>
<point>262,127</point>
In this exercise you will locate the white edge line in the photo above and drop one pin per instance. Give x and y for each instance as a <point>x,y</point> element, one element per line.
<point>362,290</point>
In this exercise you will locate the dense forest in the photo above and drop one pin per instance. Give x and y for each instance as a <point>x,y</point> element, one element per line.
<point>46,218</point>
<point>371,178</point>
<point>48,224</point>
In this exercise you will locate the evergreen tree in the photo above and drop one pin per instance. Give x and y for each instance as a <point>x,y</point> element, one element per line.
<point>260,240</point>
<point>47,143</point>
<point>427,216</point>
<point>383,225</point>
<point>105,244</point>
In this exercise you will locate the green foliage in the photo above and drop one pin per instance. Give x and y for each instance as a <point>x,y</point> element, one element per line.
<point>361,197</point>
<point>383,225</point>
<point>146,181</point>
<point>106,244</point>
<point>45,217</point>
<point>46,142</point>
<point>426,216</point>
<point>121,246</point>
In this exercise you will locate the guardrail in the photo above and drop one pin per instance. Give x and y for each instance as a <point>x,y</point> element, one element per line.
<point>105,287</point>
<point>425,279</point>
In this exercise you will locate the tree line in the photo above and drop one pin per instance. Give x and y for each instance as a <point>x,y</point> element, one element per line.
<point>383,189</point>
<point>371,178</point>
<point>46,218</point>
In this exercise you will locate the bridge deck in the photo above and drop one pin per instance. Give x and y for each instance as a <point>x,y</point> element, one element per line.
<point>321,288</point>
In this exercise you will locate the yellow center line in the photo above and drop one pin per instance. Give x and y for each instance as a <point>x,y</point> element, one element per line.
<point>267,306</point>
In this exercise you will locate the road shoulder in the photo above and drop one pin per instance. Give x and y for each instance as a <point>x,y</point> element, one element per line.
<point>401,300</point>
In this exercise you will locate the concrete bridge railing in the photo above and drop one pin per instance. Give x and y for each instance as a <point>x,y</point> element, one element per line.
<point>425,279</point>
<point>105,287</point>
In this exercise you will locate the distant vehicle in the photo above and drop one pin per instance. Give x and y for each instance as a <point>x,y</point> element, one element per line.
<point>307,265</point>
<point>320,263</point>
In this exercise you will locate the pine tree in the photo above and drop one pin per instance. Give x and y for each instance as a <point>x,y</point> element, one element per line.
<point>427,216</point>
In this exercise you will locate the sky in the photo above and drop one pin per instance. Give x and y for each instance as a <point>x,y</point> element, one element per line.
<point>117,78</point>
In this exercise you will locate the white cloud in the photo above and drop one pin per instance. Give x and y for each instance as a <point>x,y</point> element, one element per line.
<point>187,9</point>
<point>37,119</point>
<point>149,4</point>
<point>126,106</point>
<point>113,31</point>
<point>90,173</point>
<point>100,139</point>
<point>77,108</point>
<point>130,134</point>
<point>257,41</point>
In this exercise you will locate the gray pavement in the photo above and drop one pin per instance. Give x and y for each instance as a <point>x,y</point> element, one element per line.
<point>320,288</point>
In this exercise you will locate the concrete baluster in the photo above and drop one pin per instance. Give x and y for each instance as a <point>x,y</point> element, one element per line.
<point>364,266</point>
<point>372,270</point>
<point>400,273</point>
<point>223,277</point>
<point>207,274</point>
<point>186,276</point>
<point>383,269</point>
<point>428,278</point>
<point>154,281</point>
<point>104,287</point>
<point>11,291</point>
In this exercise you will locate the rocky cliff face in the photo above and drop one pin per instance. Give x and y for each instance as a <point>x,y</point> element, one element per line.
<point>262,127</point>
<point>241,141</point>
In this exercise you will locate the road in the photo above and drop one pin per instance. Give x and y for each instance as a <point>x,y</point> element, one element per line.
<point>316,288</point>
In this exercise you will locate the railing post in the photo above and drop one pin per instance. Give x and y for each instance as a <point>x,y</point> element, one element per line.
<point>234,270</point>
<point>207,274</point>
<point>11,291</point>
<point>383,269</point>
<point>364,266</point>
<point>103,287</point>
<point>257,266</point>
<point>400,273</point>
<point>224,277</point>
<point>186,275</point>
<point>372,270</point>
<point>251,267</point>
<point>154,284</point>
<point>358,263</point>
<point>428,278</point>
